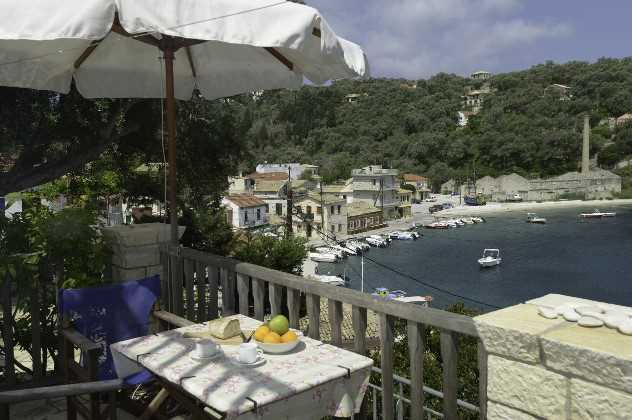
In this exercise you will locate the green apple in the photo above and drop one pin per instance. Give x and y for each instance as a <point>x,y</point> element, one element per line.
<point>279,324</point>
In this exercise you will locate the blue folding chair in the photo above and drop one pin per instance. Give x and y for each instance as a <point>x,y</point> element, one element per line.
<point>96,317</point>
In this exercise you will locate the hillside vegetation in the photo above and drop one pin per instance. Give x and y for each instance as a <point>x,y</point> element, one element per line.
<point>520,129</point>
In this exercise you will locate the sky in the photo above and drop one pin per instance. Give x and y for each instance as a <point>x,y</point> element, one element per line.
<point>418,38</point>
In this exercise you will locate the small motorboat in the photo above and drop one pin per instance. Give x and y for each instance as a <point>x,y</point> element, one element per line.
<point>597,214</point>
<point>467,220</point>
<point>322,257</point>
<point>406,236</point>
<point>376,241</point>
<point>330,250</point>
<point>358,245</point>
<point>437,225</point>
<point>394,234</point>
<point>383,293</point>
<point>329,279</point>
<point>478,220</point>
<point>344,249</point>
<point>532,218</point>
<point>491,257</point>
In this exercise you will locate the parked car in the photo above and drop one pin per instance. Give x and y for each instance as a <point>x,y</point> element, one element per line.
<point>435,208</point>
<point>430,199</point>
<point>446,206</point>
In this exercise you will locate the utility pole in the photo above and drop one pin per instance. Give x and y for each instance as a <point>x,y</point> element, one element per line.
<point>288,217</point>
<point>362,264</point>
<point>323,228</point>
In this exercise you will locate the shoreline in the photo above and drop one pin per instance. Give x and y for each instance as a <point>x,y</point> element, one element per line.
<point>492,208</point>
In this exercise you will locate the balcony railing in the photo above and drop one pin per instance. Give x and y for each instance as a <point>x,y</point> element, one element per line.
<point>200,286</point>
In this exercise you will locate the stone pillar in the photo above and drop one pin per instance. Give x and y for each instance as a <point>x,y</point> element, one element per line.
<point>586,146</point>
<point>552,368</point>
<point>136,249</point>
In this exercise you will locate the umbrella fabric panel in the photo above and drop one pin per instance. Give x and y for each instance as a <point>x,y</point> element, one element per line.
<point>122,67</point>
<point>48,20</point>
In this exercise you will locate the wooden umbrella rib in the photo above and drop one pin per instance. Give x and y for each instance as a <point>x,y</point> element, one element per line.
<point>283,59</point>
<point>86,53</point>
<point>190,59</point>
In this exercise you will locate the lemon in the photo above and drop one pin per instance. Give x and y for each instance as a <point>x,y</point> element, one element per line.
<point>272,338</point>
<point>261,332</point>
<point>288,337</point>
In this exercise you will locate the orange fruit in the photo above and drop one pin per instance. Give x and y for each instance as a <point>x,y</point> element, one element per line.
<point>261,332</point>
<point>272,338</point>
<point>288,337</point>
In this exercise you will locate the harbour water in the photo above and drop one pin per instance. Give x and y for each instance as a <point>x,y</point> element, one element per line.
<point>578,257</point>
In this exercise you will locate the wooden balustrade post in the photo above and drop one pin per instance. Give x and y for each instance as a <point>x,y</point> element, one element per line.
<point>276,298</point>
<point>335,321</point>
<point>243,288</point>
<point>294,307</point>
<point>213,290</point>
<point>313,314</point>
<point>258,293</point>
<point>189,269</point>
<point>386,364</point>
<point>449,358</point>
<point>482,380</point>
<point>200,277</point>
<point>416,348</point>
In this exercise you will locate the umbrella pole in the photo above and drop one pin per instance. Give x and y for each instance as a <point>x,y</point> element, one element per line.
<point>171,134</point>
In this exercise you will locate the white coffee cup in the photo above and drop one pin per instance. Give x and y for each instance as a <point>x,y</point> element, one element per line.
<point>249,353</point>
<point>205,348</point>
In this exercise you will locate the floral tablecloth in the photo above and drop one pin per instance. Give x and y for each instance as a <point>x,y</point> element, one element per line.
<point>313,381</point>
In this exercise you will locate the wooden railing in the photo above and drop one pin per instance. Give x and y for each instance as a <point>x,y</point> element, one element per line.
<point>200,286</point>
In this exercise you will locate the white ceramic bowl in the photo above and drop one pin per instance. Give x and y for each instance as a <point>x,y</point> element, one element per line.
<point>278,348</point>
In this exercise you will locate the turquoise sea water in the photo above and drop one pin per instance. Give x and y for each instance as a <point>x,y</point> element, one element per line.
<point>578,257</point>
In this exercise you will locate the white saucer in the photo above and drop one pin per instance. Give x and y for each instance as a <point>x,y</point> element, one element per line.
<point>258,362</point>
<point>215,355</point>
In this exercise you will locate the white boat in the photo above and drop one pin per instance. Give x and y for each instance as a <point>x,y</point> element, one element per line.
<point>468,221</point>
<point>344,249</point>
<point>491,257</point>
<point>597,214</point>
<point>405,236</point>
<point>417,300</point>
<point>330,250</point>
<point>376,241</point>
<point>437,225</point>
<point>328,279</point>
<point>478,220</point>
<point>394,234</point>
<point>322,257</point>
<point>362,246</point>
<point>532,218</point>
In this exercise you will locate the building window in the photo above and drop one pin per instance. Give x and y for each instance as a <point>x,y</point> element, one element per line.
<point>267,208</point>
<point>279,209</point>
<point>308,209</point>
<point>258,214</point>
<point>332,210</point>
<point>339,227</point>
<point>374,182</point>
<point>332,228</point>
<point>338,208</point>
<point>246,216</point>
<point>318,210</point>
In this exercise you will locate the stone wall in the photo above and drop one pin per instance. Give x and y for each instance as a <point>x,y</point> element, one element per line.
<point>554,369</point>
<point>136,249</point>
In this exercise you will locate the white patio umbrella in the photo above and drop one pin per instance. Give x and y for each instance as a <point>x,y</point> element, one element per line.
<point>112,49</point>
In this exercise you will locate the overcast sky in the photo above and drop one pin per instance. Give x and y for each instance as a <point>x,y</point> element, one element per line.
<point>418,38</point>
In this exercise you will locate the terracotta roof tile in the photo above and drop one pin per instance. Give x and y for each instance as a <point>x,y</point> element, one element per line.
<point>244,201</point>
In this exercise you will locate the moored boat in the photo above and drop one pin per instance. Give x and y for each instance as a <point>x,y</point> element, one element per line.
<point>597,214</point>
<point>328,279</point>
<point>491,257</point>
<point>322,257</point>
<point>533,218</point>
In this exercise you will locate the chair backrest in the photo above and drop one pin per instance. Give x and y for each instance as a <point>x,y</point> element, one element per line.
<point>109,314</point>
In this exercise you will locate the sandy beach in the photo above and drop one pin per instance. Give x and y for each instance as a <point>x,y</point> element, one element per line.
<point>491,208</point>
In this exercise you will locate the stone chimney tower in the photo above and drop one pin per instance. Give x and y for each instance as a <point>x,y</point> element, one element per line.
<point>586,146</point>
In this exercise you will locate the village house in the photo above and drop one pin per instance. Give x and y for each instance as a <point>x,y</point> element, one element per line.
<point>449,187</point>
<point>343,189</point>
<point>316,215</point>
<point>480,75</point>
<point>420,183</point>
<point>245,211</point>
<point>623,119</point>
<point>296,170</point>
<point>362,216</point>
<point>378,187</point>
<point>405,206</point>
<point>562,92</point>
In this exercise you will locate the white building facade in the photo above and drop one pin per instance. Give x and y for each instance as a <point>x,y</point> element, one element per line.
<point>245,211</point>
<point>378,187</point>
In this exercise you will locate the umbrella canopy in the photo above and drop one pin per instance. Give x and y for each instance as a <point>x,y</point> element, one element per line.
<point>114,48</point>
<point>227,47</point>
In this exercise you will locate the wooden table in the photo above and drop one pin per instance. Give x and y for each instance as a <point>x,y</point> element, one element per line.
<point>313,381</point>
